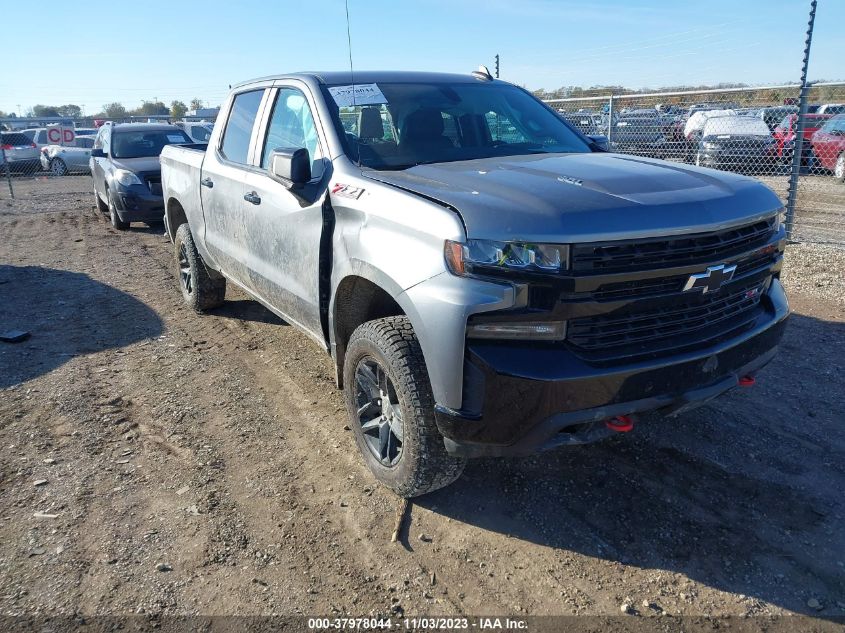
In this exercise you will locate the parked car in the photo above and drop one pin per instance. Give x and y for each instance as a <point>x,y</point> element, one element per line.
<point>695,123</point>
<point>21,152</point>
<point>585,122</point>
<point>640,132</point>
<point>479,296</point>
<point>829,146</point>
<point>737,143</point>
<point>831,108</point>
<point>62,160</point>
<point>198,131</point>
<point>785,134</point>
<point>37,136</point>
<point>126,170</point>
<point>716,105</point>
<point>771,116</point>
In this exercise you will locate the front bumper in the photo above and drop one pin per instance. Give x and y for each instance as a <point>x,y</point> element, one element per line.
<point>746,161</point>
<point>136,204</point>
<point>534,398</point>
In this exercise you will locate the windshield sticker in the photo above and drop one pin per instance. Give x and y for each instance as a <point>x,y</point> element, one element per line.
<point>175,138</point>
<point>364,94</point>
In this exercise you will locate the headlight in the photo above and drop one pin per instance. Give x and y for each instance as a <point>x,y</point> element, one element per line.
<point>515,331</point>
<point>708,145</point>
<point>126,178</point>
<point>487,256</point>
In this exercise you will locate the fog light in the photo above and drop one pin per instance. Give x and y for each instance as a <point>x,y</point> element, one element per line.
<point>523,331</point>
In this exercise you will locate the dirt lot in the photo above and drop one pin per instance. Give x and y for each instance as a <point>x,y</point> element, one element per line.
<point>156,461</point>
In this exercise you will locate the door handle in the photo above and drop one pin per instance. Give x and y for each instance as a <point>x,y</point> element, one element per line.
<point>207,182</point>
<point>252,197</point>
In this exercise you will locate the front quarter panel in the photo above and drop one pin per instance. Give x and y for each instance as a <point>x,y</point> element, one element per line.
<point>395,239</point>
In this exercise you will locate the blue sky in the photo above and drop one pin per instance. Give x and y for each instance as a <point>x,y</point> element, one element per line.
<point>129,52</point>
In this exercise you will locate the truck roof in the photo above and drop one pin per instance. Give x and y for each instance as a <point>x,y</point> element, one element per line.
<point>368,77</point>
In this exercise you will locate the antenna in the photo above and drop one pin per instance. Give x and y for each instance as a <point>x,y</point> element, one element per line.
<point>351,70</point>
<point>497,65</point>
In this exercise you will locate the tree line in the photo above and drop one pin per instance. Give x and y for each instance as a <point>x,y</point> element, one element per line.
<point>114,110</point>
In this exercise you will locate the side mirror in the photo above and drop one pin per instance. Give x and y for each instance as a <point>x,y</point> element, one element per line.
<point>291,167</point>
<point>97,153</point>
<point>600,140</point>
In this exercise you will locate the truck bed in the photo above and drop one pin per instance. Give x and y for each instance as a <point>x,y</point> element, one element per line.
<point>180,176</point>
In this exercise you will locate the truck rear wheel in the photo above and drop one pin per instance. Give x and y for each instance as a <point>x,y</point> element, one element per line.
<point>200,289</point>
<point>391,409</point>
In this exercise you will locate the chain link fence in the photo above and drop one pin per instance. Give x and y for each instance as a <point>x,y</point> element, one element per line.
<point>745,130</point>
<point>751,131</point>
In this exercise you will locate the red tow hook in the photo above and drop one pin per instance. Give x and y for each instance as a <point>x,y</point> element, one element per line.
<point>620,423</point>
<point>747,381</point>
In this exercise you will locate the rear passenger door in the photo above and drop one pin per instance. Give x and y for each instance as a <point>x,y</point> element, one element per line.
<point>284,231</point>
<point>222,189</point>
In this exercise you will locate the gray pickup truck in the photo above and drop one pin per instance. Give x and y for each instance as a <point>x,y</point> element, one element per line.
<point>487,280</point>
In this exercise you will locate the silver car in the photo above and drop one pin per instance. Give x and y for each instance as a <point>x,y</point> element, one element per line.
<point>66,159</point>
<point>21,153</point>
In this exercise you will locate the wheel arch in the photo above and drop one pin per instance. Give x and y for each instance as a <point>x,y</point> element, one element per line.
<point>174,217</point>
<point>359,297</point>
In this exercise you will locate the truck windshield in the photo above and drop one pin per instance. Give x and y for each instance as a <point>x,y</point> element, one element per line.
<point>142,143</point>
<point>400,125</point>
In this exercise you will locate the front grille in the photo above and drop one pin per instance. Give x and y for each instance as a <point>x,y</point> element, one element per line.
<point>643,288</point>
<point>154,184</point>
<point>676,325</point>
<point>651,253</point>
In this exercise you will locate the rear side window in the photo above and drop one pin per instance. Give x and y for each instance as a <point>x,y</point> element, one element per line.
<point>238,130</point>
<point>15,139</point>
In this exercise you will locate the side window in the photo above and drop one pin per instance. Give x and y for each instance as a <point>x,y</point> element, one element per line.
<point>450,129</point>
<point>292,126</point>
<point>201,134</point>
<point>238,130</point>
<point>102,140</point>
<point>502,130</point>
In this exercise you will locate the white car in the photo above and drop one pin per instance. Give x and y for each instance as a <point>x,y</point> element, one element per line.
<point>66,159</point>
<point>695,124</point>
<point>199,131</point>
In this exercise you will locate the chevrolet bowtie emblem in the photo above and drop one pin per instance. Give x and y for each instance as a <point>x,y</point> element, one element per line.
<point>710,280</point>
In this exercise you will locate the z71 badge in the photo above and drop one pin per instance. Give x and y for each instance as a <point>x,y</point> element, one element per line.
<point>347,191</point>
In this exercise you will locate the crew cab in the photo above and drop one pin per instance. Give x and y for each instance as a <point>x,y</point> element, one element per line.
<point>487,280</point>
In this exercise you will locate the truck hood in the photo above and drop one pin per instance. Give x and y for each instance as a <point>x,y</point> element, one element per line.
<point>584,197</point>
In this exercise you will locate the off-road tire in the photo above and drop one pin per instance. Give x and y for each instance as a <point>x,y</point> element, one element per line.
<point>424,465</point>
<point>207,290</point>
<point>114,218</point>
<point>102,207</point>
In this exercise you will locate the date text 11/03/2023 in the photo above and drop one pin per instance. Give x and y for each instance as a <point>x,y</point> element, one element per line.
<point>419,624</point>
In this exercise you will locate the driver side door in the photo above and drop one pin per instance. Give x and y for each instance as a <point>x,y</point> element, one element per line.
<point>284,230</point>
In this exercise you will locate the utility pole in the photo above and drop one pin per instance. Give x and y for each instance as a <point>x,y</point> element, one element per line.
<point>497,65</point>
<point>799,133</point>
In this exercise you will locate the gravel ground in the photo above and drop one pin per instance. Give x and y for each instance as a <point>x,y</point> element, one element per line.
<point>154,461</point>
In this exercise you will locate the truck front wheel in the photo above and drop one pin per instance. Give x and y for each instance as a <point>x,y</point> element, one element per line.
<point>391,409</point>
<point>200,290</point>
